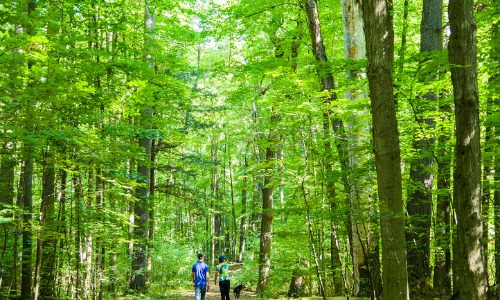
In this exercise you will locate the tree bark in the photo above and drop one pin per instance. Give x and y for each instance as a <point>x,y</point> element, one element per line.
<point>45,261</point>
<point>419,204</point>
<point>243,219</point>
<point>266,227</point>
<point>468,261</point>
<point>442,264</point>
<point>141,208</point>
<point>328,84</point>
<point>379,35</point>
<point>494,81</point>
<point>362,239</point>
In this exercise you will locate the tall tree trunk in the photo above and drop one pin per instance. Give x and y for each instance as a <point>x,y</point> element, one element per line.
<point>379,35</point>
<point>77,229</point>
<point>27,177</point>
<point>45,260</point>
<point>496,197</point>
<point>139,254</point>
<point>152,190</point>
<point>268,187</point>
<point>27,205</point>
<point>362,239</point>
<point>233,207</point>
<point>419,204</point>
<point>243,219</point>
<point>468,261</point>
<point>7,175</point>
<point>141,208</point>
<point>442,264</point>
<point>310,229</point>
<point>328,84</point>
<point>215,218</point>
<point>266,227</point>
<point>495,52</point>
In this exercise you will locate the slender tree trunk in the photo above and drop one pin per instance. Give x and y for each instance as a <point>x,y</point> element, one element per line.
<point>77,229</point>
<point>328,84</point>
<point>419,204</point>
<point>316,258</point>
<point>152,190</point>
<point>243,220</point>
<point>233,208</point>
<point>442,264</point>
<point>27,179</point>
<point>496,197</point>
<point>7,175</point>
<point>45,261</point>
<point>139,255</point>
<point>363,241</point>
<point>379,35</point>
<point>495,42</point>
<point>468,261</point>
<point>404,34</point>
<point>141,209</point>
<point>27,205</point>
<point>268,187</point>
<point>266,222</point>
<point>216,224</point>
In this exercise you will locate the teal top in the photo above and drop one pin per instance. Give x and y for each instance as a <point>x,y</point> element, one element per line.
<point>223,270</point>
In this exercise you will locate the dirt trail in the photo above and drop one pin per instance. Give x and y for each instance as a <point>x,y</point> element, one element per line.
<point>213,294</point>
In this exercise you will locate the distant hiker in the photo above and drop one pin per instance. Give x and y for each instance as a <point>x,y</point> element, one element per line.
<point>222,275</point>
<point>199,275</point>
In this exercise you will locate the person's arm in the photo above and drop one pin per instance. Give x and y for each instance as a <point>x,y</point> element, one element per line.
<point>215,278</point>
<point>207,276</point>
<point>236,264</point>
<point>192,276</point>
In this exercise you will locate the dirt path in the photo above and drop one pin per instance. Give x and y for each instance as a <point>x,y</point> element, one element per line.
<point>213,294</point>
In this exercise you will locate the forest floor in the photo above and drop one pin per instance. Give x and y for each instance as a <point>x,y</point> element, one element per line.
<point>213,294</point>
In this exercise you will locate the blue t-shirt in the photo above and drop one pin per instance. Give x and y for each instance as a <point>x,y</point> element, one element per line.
<point>200,270</point>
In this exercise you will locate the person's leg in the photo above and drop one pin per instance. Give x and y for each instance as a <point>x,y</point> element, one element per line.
<point>220,290</point>
<point>224,289</point>
<point>203,292</point>
<point>197,293</point>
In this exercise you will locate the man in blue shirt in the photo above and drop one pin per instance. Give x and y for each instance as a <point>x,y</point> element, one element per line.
<point>199,275</point>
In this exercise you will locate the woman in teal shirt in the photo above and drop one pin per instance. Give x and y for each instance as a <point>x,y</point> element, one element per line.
<point>222,276</point>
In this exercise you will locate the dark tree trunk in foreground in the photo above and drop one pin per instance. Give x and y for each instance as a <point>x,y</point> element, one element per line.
<point>379,37</point>
<point>468,261</point>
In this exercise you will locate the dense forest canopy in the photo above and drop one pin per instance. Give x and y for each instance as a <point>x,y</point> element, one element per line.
<point>334,147</point>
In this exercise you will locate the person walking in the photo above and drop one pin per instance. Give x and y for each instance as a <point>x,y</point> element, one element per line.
<point>200,277</point>
<point>222,276</point>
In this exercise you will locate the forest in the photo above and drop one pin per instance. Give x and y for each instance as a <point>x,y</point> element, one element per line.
<point>336,148</point>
